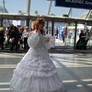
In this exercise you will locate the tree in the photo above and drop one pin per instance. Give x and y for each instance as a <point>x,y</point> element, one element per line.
<point>36,12</point>
<point>65,15</point>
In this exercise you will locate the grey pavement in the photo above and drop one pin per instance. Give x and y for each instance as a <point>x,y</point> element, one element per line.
<point>75,70</point>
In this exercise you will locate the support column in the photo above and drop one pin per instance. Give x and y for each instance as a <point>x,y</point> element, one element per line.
<point>52,28</point>
<point>28,7</point>
<point>75,35</point>
<point>27,21</point>
<point>28,12</point>
<point>50,7</point>
<point>47,26</point>
<point>1,22</point>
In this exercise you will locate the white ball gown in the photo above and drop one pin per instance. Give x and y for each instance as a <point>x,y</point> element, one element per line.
<point>36,72</point>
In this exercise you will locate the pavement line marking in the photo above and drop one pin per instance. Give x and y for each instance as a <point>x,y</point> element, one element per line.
<point>8,65</point>
<point>86,80</point>
<point>69,81</point>
<point>4,83</point>
<point>67,64</point>
<point>79,85</point>
<point>4,89</point>
<point>89,85</point>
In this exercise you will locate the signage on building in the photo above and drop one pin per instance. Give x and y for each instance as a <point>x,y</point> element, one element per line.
<point>84,4</point>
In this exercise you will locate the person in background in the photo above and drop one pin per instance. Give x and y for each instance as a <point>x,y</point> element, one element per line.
<point>81,42</point>
<point>6,42</point>
<point>13,38</point>
<point>2,37</point>
<point>63,35</point>
<point>25,36</point>
<point>56,33</point>
<point>87,34</point>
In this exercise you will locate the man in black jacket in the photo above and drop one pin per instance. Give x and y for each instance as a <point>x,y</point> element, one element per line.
<point>2,38</point>
<point>13,38</point>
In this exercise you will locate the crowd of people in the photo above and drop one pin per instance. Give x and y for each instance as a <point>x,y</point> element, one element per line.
<point>83,36</point>
<point>14,38</point>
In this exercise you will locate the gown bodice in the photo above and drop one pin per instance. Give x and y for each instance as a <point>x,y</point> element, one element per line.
<point>38,45</point>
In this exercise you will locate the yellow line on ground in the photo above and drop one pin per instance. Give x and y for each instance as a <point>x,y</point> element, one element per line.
<point>69,81</point>
<point>4,83</point>
<point>4,89</point>
<point>8,65</point>
<point>86,80</point>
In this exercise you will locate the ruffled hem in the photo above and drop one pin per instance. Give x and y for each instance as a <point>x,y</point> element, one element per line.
<point>35,74</point>
<point>40,68</point>
<point>50,84</point>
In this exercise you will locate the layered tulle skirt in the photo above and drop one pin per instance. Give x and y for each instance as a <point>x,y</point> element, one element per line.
<point>35,75</point>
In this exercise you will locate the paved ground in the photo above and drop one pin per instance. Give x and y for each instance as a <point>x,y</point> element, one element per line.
<point>75,70</point>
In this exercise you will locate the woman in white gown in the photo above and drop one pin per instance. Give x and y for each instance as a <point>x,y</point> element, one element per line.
<point>36,72</point>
